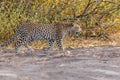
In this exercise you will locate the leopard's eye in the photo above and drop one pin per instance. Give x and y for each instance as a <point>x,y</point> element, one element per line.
<point>76,33</point>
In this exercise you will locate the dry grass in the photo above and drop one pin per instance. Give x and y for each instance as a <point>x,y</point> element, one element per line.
<point>71,42</point>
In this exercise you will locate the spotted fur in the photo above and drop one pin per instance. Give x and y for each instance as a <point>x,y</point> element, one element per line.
<point>28,32</point>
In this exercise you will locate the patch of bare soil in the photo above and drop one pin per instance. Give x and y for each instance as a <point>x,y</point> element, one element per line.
<point>93,63</point>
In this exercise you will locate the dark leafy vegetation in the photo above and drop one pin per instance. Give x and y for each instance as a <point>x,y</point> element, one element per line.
<point>98,18</point>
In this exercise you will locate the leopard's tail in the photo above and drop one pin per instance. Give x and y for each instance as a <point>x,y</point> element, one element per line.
<point>10,41</point>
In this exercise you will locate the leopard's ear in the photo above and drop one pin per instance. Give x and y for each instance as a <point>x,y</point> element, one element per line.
<point>71,24</point>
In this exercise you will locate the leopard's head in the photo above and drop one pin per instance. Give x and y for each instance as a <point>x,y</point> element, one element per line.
<point>76,29</point>
<point>71,27</point>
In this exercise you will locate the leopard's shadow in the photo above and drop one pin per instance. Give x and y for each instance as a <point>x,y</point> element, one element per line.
<point>8,51</point>
<point>37,53</point>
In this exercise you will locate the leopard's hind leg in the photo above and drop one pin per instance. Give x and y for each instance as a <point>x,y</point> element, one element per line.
<point>23,40</point>
<point>17,45</point>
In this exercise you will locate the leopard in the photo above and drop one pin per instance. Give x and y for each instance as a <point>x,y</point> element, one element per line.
<point>54,32</point>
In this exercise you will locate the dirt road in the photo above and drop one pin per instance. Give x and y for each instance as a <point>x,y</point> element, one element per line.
<point>94,63</point>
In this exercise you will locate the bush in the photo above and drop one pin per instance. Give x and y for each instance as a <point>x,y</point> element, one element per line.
<point>97,17</point>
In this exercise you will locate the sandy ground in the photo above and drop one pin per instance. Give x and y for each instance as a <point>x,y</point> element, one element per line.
<point>93,63</point>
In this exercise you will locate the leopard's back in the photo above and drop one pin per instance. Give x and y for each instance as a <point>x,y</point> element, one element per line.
<point>39,31</point>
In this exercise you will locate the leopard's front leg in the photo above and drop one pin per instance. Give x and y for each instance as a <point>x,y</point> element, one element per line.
<point>60,44</point>
<point>51,45</point>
